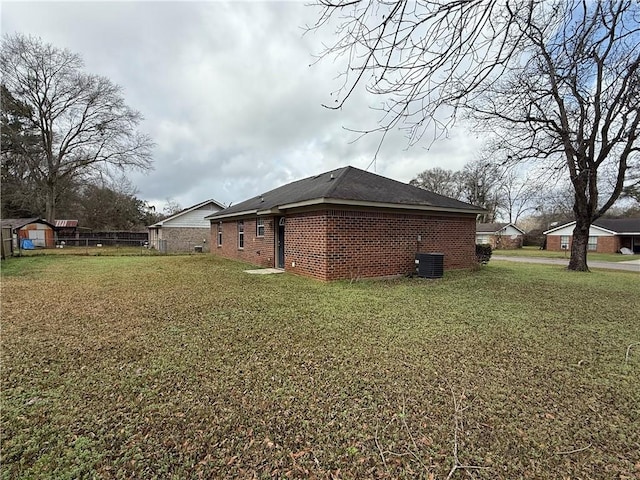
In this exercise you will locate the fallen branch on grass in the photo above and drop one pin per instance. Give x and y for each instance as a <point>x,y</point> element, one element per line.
<point>384,462</point>
<point>403,417</point>
<point>568,452</point>
<point>457,417</point>
<point>626,357</point>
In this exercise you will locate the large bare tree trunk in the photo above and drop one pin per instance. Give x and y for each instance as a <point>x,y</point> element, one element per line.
<point>79,124</point>
<point>50,202</point>
<point>578,261</point>
<point>553,82</point>
<point>50,212</point>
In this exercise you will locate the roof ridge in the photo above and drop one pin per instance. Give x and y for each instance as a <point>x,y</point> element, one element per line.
<point>337,180</point>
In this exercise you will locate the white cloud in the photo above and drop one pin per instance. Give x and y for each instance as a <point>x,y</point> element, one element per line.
<point>228,94</point>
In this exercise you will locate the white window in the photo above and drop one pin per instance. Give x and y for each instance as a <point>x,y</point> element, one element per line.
<point>593,244</point>
<point>240,234</point>
<point>220,234</point>
<point>564,242</point>
<point>482,239</point>
<point>260,227</point>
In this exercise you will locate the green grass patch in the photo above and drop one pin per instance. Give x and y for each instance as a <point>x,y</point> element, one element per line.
<point>187,367</point>
<point>536,252</point>
<point>109,250</point>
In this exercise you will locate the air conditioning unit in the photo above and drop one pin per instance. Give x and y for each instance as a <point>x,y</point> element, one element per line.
<point>430,265</point>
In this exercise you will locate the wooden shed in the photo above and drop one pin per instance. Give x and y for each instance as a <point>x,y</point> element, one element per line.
<point>40,232</point>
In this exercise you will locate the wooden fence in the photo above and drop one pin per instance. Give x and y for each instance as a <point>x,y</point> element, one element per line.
<point>91,239</point>
<point>6,240</point>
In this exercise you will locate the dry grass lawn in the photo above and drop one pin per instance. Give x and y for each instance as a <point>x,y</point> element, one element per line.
<point>186,367</point>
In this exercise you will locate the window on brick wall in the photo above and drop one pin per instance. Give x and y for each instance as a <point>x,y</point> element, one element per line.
<point>260,227</point>
<point>482,239</point>
<point>564,242</point>
<point>593,244</point>
<point>240,234</point>
<point>220,234</point>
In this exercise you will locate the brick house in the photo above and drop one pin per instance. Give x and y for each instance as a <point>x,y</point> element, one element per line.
<point>346,223</point>
<point>503,236</point>
<point>606,235</point>
<point>185,230</point>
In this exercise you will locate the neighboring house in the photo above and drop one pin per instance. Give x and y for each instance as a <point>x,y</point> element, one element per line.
<point>346,223</point>
<point>185,230</point>
<point>499,235</point>
<point>606,235</point>
<point>40,232</point>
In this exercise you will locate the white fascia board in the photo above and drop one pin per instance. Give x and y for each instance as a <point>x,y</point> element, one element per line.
<point>570,224</point>
<point>513,226</point>
<point>271,211</point>
<point>559,227</point>
<point>358,203</point>
<point>190,209</point>
<point>231,215</point>
<point>187,226</point>
<point>604,229</point>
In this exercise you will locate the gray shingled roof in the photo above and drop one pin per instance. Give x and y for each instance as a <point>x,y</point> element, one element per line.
<point>490,227</point>
<point>619,225</point>
<point>494,227</point>
<point>349,184</point>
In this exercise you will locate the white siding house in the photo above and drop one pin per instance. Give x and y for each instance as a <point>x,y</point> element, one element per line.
<point>499,235</point>
<point>185,231</point>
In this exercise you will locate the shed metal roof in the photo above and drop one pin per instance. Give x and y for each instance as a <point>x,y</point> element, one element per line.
<point>66,223</point>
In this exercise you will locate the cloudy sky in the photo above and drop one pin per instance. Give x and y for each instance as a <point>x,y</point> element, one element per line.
<point>230,92</point>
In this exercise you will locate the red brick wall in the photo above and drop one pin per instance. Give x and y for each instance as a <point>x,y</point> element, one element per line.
<point>343,244</point>
<point>610,244</point>
<point>305,244</point>
<point>257,250</point>
<point>375,244</point>
<point>505,242</point>
<point>553,243</point>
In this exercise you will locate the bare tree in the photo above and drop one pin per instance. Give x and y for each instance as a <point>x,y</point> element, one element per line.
<point>84,126</point>
<point>441,181</point>
<point>478,183</point>
<point>556,80</point>
<point>520,194</point>
<point>171,207</point>
<point>481,182</point>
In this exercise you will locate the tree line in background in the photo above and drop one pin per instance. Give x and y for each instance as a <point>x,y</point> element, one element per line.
<point>531,200</point>
<point>67,139</point>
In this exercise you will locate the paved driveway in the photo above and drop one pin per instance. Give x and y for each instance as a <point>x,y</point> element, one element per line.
<point>629,265</point>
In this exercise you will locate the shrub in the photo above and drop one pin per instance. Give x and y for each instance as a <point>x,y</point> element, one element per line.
<point>483,253</point>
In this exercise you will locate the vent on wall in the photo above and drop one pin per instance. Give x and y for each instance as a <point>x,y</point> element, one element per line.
<point>430,265</point>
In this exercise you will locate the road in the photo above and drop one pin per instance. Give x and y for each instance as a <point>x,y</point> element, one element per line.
<point>630,265</point>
